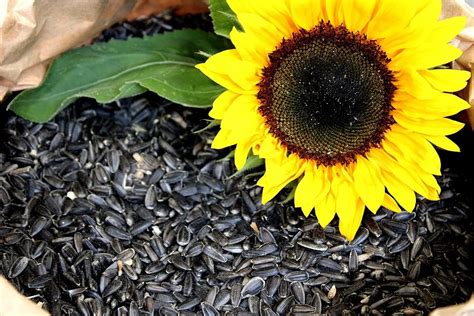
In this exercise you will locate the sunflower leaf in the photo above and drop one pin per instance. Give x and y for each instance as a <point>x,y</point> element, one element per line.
<point>164,64</point>
<point>210,125</point>
<point>223,18</point>
<point>252,163</point>
<point>291,195</point>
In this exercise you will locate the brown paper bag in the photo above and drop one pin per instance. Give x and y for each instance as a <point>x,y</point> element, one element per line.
<point>13,303</point>
<point>466,309</point>
<point>32,32</point>
<point>151,7</point>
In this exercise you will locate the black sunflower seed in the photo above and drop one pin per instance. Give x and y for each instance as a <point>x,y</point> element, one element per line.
<point>313,246</point>
<point>416,248</point>
<point>189,304</point>
<point>222,298</point>
<point>214,254</point>
<point>299,276</point>
<point>40,281</point>
<point>235,294</point>
<point>208,310</point>
<point>399,246</point>
<point>38,225</point>
<point>353,261</point>
<point>211,295</point>
<point>414,270</point>
<point>118,233</point>
<point>150,198</point>
<point>283,307</point>
<point>298,292</point>
<point>253,287</point>
<point>183,236</point>
<point>328,264</point>
<point>17,267</point>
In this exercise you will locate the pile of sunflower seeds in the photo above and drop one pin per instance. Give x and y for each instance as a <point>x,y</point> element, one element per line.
<point>123,209</point>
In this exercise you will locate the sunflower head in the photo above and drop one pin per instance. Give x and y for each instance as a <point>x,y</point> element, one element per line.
<point>327,79</point>
<point>342,96</point>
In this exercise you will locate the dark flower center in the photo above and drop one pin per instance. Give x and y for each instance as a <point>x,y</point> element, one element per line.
<point>326,94</point>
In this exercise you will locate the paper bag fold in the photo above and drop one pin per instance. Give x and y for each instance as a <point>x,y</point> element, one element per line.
<point>32,32</point>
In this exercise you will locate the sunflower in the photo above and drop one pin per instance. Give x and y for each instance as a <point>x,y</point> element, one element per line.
<point>342,97</point>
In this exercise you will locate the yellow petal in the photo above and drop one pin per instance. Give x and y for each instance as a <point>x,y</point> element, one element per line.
<point>390,204</point>
<point>412,82</point>
<point>413,177</point>
<point>452,103</point>
<point>229,62</point>
<point>326,210</point>
<point>430,182</point>
<point>419,29</point>
<point>433,195</point>
<point>279,174</point>
<point>267,33</point>
<point>346,202</point>
<point>357,13</point>
<point>350,225</point>
<point>427,15</point>
<point>223,139</point>
<point>437,106</point>
<point>394,151</point>
<point>428,114</point>
<point>439,127</point>
<point>396,14</point>
<point>431,162</point>
<point>443,142</point>
<point>410,38</point>
<point>402,193</point>
<point>332,12</point>
<point>448,29</point>
<point>428,11</point>
<point>241,153</point>
<point>221,79</point>
<point>388,164</point>
<point>276,12</point>
<point>310,188</point>
<point>304,193</point>
<point>306,13</point>
<point>413,148</point>
<point>368,184</point>
<point>322,176</point>
<point>250,47</point>
<point>449,80</point>
<point>222,104</point>
<point>270,148</point>
<point>425,57</point>
<point>242,117</point>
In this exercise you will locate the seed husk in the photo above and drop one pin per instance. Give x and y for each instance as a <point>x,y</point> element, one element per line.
<point>17,267</point>
<point>253,287</point>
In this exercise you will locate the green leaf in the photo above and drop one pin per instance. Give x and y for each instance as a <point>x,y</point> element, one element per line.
<point>164,64</point>
<point>211,124</point>
<point>223,17</point>
<point>291,196</point>
<point>252,163</point>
